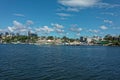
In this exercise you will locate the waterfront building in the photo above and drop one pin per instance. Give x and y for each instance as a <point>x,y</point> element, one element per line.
<point>89,39</point>
<point>116,38</point>
<point>7,34</point>
<point>0,38</point>
<point>83,39</point>
<point>32,34</point>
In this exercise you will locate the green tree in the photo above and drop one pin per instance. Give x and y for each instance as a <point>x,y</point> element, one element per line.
<point>50,38</point>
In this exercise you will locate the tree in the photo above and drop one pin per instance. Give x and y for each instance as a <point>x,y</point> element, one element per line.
<point>108,37</point>
<point>65,39</point>
<point>50,38</point>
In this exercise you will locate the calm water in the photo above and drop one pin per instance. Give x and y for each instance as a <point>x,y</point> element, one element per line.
<point>31,62</point>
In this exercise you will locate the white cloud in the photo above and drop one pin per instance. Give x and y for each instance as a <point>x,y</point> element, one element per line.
<point>109,13</point>
<point>44,29</point>
<point>63,14</point>
<point>78,3</point>
<point>103,27</point>
<point>117,28</point>
<point>57,25</point>
<point>93,31</point>
<point>19,15</point>
<point>73,9</point>
<point>1,30</point>
<point>58,28</point>
<point>78,34</point>
<point>62,18</point>
<point>18,24</point>
<point>107,5</point>
<point>29,22</point>
<point>11,29</point>
<point>108,21</point>
<point>76,29</point>
<point>18,27</point>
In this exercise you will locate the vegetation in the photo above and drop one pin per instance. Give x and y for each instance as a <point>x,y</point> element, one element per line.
<point>112,40</point>
<point>50,38</point>
<point>21,39</point>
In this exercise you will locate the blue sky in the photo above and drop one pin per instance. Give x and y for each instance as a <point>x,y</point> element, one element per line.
<point>72,18</point>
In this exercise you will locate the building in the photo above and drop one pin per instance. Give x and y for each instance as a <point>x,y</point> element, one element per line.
<point>32,34</point>
<point>89,39</point>
<point>83,39</point>
<point>7,34</point>
<point>116,38</point>
<point>1,34</point>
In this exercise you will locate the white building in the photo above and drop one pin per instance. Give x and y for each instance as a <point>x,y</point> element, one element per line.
<point>89,39</point>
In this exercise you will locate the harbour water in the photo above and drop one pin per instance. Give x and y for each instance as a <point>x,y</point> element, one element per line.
<point>33,62</point>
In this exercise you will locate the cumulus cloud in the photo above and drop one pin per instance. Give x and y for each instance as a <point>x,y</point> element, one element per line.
<point>1,30</point>
<point>103,27</point>
<point>29,22</point>
<point>18,27</point>
<point>78,34</point>
<point>44,29</point>
<point>75,28</point>
<point>58,28</point>
<point>11,29</point>
<point>93,31</point>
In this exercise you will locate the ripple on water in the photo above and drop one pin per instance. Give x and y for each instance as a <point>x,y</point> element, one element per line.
<point>30,62</point>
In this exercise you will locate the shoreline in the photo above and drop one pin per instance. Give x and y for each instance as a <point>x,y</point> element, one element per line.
<point>61,44</point>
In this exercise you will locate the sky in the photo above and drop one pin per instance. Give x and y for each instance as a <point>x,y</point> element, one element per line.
<point>72,18</point>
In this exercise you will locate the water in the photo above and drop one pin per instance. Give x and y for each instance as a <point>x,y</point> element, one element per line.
<point>31,62</point>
